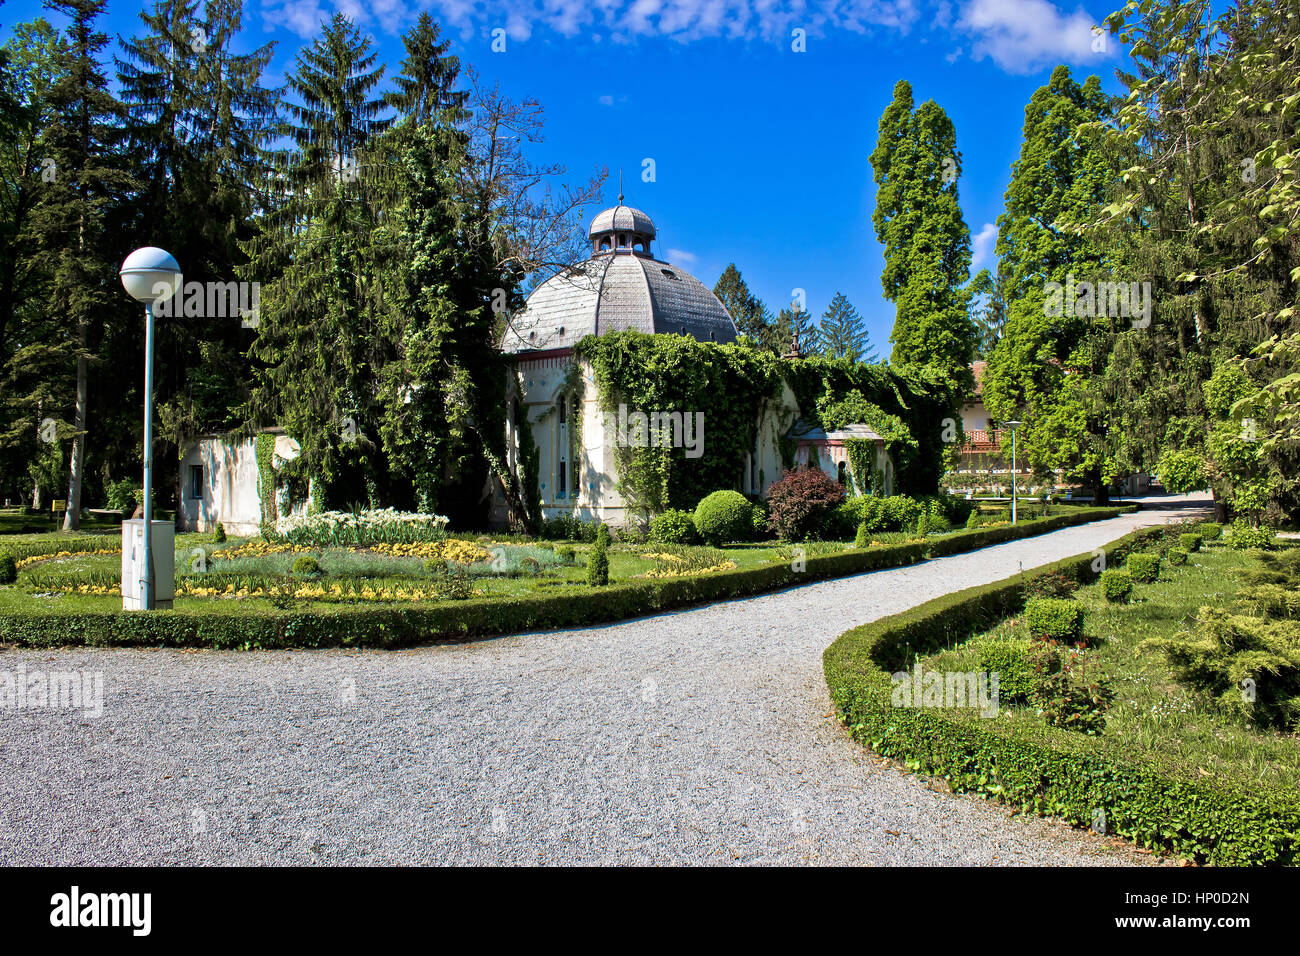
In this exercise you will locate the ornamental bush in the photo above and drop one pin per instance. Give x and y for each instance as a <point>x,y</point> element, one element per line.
<point>899,512</point>
<point>1190,542</point>
<point>598,560</point>
<point>862,539</point>
<point>1010,660</point>
<point>1243,535</point>
<point>724,516</point>
<point>8,568</point>
<point>1143,568</point>
<point>1210,530</point>
<point>800,504</point>
<point>673,526</point>
<point>1116,585</point>
<point>307,566</point>
<point>1055,619</point>
<point>1176,556</point>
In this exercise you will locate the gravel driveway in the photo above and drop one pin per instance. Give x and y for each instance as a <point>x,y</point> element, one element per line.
<point>702,736</point>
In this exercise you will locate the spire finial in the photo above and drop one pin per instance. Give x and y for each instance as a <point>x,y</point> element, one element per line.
<point>620,187</point>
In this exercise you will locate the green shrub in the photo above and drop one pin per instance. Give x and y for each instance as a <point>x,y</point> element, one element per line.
<point>1054,619</point>
<point>1064,701</point>
<point>219,533</point>
<point>1191,543</point>
<point>862,539</point>
<point>900,513</point>
<point>760,526</point>
<point>1143,568</point>
<point>1210,530</point>
<point>1243,535</point>
<point>1116,585</point>
<point>567,555</point>
<point>1176,556</point>
<point>973,519</point>
<point>603,536</point>
<point>307,566</point>
<point>724,516</point>
<point>673,526</point>
<point>598,560</point>
<point>123,495</point>
<point>1050,584</point>
<point>435,566</point>
<point>1250,666</point>
<point>1010,660</point>
<point>932,524</point>
<point>8,568</point>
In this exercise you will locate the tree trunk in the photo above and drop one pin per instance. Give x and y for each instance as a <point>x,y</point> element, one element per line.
<point>72,517</point>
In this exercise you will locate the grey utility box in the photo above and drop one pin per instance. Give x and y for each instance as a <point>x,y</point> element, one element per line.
<point>164,564</point>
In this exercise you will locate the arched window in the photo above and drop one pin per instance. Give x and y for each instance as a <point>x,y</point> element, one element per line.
<point>841,473</point>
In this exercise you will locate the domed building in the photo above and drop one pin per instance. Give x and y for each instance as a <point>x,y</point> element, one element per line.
<point>621,287</point>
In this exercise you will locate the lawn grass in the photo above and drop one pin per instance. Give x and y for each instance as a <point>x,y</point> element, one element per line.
<point>1153,713</point>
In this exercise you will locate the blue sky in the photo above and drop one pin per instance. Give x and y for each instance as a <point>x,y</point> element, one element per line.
<point>760,152</point>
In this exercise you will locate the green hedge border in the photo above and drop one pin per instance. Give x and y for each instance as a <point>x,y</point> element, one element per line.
<point>1151,800</point>
<point>393,627</point>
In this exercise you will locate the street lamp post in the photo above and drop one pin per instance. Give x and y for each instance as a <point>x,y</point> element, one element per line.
<point>1013,426</point>
<point>148,275</point>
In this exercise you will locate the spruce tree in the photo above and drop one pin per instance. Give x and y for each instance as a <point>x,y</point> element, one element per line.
<point>843,333</point>
<point>71,225</point>
<point>322,335</point>
<point>747,311</point>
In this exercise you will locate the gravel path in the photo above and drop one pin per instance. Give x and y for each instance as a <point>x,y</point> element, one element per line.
<point>703,736</point>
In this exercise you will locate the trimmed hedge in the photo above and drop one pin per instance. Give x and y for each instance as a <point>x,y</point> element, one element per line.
<point>1191,542</point>
<point>1055,619</point>
<point>1144,568</point>
<point>1116,585</point>
<point>1149,799</point>
<point>409,625</point>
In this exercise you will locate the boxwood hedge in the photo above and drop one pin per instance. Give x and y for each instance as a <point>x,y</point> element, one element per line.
<point>1149,799</point>
<point>407,625</point>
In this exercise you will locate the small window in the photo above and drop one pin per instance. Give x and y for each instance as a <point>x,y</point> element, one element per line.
<point>840,473</point>
<point>670,274</point>
<point>561,330</point>
<point>196,481</point>
<point>564,411</point>
<point>564,483</point>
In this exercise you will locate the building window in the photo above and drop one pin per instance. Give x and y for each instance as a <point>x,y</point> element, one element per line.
<point>196,481</point>
<point>564,409</point>
<point>840,474</point>
<point>563,482</point>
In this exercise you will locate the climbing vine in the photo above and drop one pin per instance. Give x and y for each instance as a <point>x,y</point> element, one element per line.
<point>264,451</point>
<point>730,385</point>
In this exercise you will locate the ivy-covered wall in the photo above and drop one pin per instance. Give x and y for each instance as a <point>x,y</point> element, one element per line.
<point>909,412</point>
<point>730,384</point>
<point>734,385</point>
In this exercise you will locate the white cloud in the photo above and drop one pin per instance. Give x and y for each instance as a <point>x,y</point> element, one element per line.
<point>682,256</point>
<point>981,247</point>
<point>1023,36</point>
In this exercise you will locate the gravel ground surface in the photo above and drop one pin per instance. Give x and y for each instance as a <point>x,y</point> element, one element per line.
<point>703,736</point>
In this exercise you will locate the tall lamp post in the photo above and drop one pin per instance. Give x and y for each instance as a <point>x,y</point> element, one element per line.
<point>149,275</point>
<point>1013,426</point>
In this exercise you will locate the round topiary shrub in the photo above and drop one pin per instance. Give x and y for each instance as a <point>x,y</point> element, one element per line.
<point>1143,568</point>
<point>673,526</point>
<point>8,568</point>
<point>1191,543</point>
<point>1055,619</point>
<point>1209,530</point>
<point>724,516</point>
<point>219,533</point>
<point>307,566</point>
<point>1116,585</point>
<point>1176,556</point>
